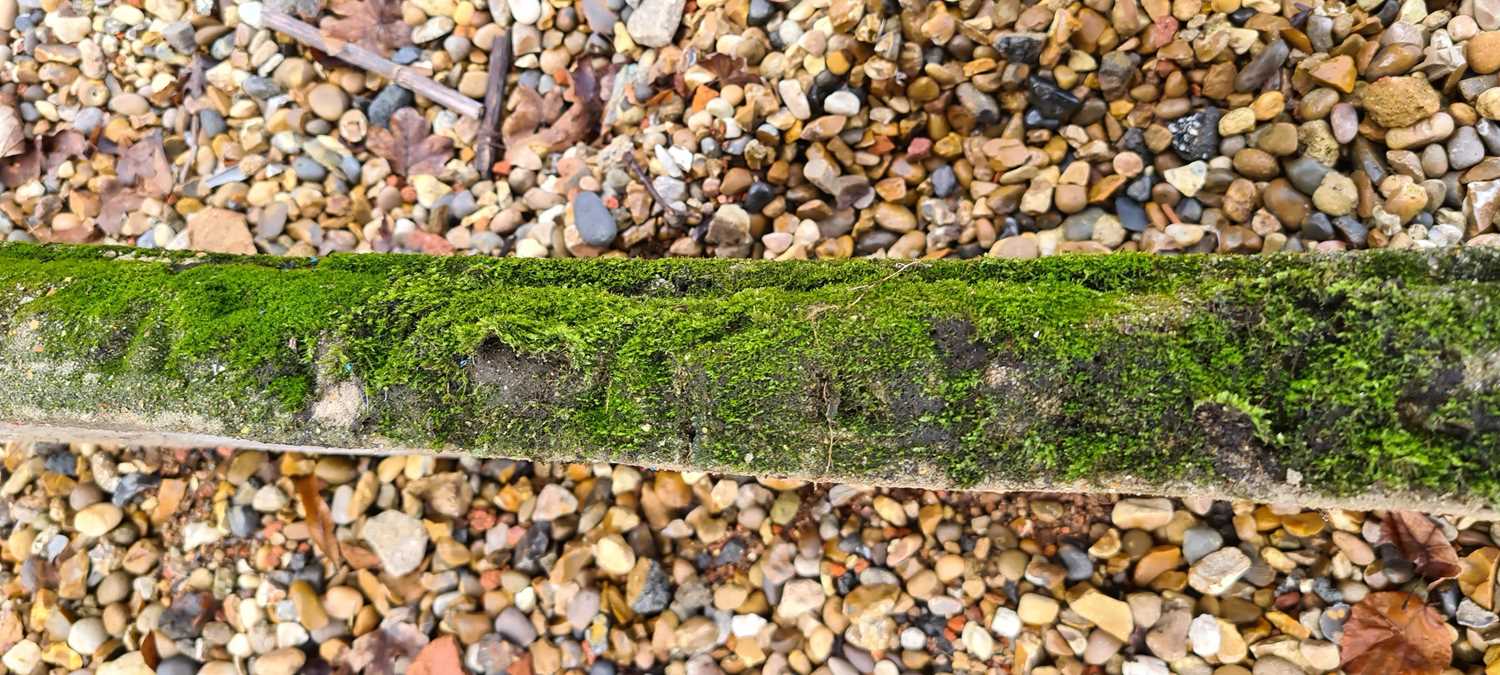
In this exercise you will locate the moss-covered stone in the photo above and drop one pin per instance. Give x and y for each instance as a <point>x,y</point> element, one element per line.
<point>1370,373</point>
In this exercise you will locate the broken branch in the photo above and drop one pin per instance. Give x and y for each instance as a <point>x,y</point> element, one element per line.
<point>494,105</point>
<point>354,54</point>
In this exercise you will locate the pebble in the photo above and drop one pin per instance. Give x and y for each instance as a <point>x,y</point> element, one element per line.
<point>841,103</point>
<point>594,222</point>
<point>526,12</point>
<point>327,101</point>
<point>1465,149</point>
<point>655,22</point>
<point>1142,513</point>
<point>398,540</point>
<point>1215,573</point>
<point>1336,194</point>
<point>98,519</point>
<point>285,661</point>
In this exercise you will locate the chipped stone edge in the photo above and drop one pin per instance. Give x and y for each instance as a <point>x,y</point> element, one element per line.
<point>1265,492</point>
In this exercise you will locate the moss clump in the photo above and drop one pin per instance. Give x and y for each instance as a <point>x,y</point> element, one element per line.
<point>1374,371</point>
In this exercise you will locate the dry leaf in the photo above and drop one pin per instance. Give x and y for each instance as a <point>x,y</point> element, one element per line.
<point>12,132</point>
<point>1395,633</point>
<point>144,165</point>
<point>118,202</point>
<point>63,146</point>
<point>376,652</point>
<point>375,25</point>
<point>1422,542</point>
<point>18,170</point>
<point>727,70</point>
<point>410,145</point>
<point>578,124</point>
<point>41,155</point>
<point>319,520</point>
<point>525,115</point>
<point>149,653</point>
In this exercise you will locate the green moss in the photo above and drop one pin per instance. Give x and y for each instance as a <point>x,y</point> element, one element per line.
<point>1359,371</point>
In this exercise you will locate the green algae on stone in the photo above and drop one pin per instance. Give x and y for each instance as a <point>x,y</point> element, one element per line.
<point>1369,372</point>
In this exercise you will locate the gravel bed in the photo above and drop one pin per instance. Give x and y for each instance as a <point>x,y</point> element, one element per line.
<point>216,562</point>
<point>757,128</point>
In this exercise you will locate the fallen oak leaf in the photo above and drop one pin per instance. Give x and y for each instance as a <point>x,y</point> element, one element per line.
<point>409,144</point>
<point>63,146</point>
<point>18,170</point>
<point>12,132</point>
<point>580,123</point>
<point>144,165</point>
<point>377,651</point>
<point>525,115</point>
<point>1421,541</point>
<point>726,70</point>
<point>118,201</point>
<point>1395,633</point>
<point>319,519</point>
<point>42,155</point>
<point>375,25</point>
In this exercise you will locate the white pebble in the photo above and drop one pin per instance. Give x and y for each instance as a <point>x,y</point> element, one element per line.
<point>1007,623</point>
<point>1204,635</point>
<point>525,11</point>
<point>841,103</point>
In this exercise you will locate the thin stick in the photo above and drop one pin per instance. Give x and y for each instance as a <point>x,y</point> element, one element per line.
<point>640,175</point>
<point>364,58</point>
<point>494,105</point>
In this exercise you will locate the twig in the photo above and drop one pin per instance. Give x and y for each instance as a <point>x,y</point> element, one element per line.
<point>356,55</point>
<point>866,288</point>
<point>494,105</point>
<point>640,175</point>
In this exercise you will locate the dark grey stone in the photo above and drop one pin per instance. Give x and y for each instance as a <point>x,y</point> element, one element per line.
<point>596,226</point>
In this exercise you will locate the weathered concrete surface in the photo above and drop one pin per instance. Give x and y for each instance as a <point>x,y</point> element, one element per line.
<point>1358,380</point>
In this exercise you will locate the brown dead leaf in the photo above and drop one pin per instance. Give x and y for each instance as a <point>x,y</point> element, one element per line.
<point>63,146</point>
<point>149,653</point>
<point>1394,633</point>
<point>12,132</point>
<point>580,123</point>
<point>373,24</point>
<point>377,651</point>
<point>1421,541</point>
<point>319,520</point>
<point>40,156</point>
<point>18,170</point>
<point>727,70</point>
<point>410,145</point>
<point>118,201</point>
<point>144,165</point>
<point>524,117</point>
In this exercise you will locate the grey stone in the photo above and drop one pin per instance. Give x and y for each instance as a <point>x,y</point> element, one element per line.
<point>513,625</point>
<point>1200,541</point>
<point>308,170</point>
<point>654,23</point>
<point>595,224</point>
<point>260,87</point>
<point>398,540</point>
<point>1262,66</point>
<point>387,102</point>
<point>1465,149</point>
